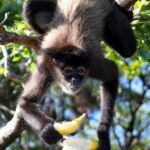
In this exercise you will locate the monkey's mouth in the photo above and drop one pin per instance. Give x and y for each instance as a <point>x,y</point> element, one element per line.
<point>70,89</point>
<point>75,89</point>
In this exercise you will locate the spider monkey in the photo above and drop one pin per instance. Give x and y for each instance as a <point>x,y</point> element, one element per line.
<point>70,52</point>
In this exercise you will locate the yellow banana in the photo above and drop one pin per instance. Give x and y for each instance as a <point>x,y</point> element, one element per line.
<point>66,128</point>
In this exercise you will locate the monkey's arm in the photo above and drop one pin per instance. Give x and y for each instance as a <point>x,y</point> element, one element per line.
<point>106,71</point>
<point>29,111</point>
<point>118,32</point>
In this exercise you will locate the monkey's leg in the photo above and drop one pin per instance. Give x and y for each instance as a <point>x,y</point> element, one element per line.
<point>107,72</point>
<point>29,111</point>
<point>39,14</point>
<point>118,32</point>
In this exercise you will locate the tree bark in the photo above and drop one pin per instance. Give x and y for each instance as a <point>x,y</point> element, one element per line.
<point>11,130</point>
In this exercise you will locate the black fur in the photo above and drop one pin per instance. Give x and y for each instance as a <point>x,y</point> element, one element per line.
<point>50,135</point>
<point>118,32</point>
<point>128,13</point>
<point>109,90</point>
<point>71,60</point>
<point>33,8</point>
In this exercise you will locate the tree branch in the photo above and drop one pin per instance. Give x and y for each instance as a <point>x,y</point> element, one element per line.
<point>11,130</point>
<point>117,137</point>
<point>5,109</point>
<point>9,37</point>
<point>8,73</point>
<point>5,18</point>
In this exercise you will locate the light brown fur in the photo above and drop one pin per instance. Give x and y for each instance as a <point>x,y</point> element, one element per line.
<point>82,24</point>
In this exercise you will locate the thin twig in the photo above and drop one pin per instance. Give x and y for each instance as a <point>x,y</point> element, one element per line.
<point>8,73</point>
<point>117,138</point>
<point>4,108</point>
<point>5,18</point>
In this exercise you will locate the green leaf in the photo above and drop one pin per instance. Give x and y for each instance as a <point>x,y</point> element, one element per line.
<point>16,59</point>
<point>2,70</point>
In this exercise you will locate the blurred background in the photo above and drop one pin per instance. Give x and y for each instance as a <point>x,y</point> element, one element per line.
<point>131,126</point>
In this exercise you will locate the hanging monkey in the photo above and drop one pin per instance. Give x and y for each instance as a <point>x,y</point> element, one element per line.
<point>70,53</point>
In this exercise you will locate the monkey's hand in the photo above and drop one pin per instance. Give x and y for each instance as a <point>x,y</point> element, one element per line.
<point>50,135</point>
<point>53,132</point>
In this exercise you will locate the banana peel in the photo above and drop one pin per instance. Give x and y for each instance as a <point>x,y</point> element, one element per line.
<point>66,128</point>
<point>80,143</point>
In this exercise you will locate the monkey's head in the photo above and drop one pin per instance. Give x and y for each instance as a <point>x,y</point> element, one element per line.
<point>70,70</point>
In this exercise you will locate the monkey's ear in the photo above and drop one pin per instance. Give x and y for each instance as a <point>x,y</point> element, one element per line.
<point>39,14</point>
<point>118,32</point>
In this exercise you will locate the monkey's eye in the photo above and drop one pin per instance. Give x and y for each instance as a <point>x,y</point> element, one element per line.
<point>81,70</point>
<point>68,71</point>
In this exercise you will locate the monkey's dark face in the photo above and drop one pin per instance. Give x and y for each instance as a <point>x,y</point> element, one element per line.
<point>70,72</point>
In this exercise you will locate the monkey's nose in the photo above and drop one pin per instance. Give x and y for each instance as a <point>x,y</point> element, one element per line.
<point>76,82</point>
